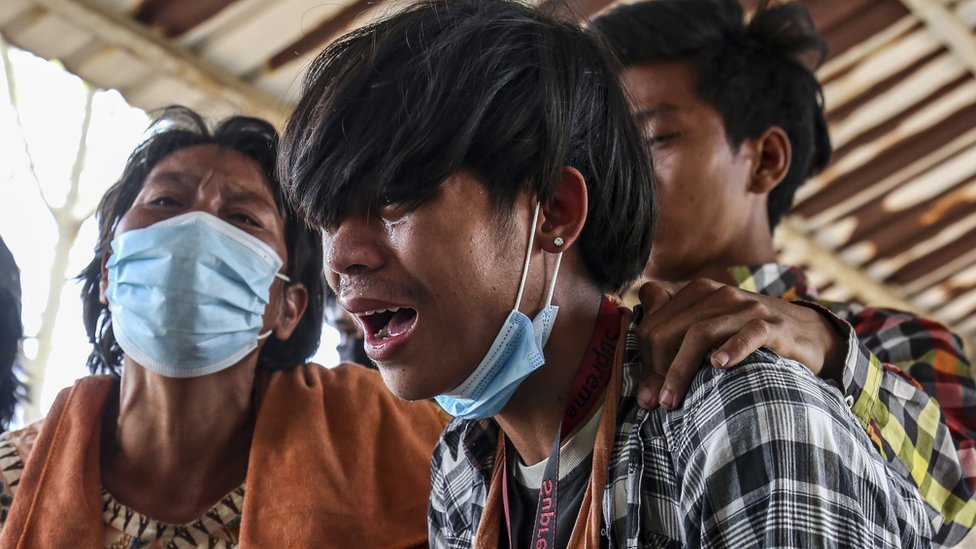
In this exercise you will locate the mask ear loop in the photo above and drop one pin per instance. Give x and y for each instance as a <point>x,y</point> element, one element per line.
<point>528,255</point>
<point>267,334</point>
<point>552,285</point>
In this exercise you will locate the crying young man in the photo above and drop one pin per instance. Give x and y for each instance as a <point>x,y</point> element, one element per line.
<point>482,191</point>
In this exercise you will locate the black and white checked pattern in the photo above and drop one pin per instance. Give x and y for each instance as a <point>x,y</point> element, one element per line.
<point>911,387</point>
<point>762,455</point>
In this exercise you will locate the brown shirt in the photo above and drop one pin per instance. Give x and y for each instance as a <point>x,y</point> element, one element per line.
<point>336,459</point>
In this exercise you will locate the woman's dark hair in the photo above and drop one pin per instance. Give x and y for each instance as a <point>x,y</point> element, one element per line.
<point>178,128</point>
<point>13,390</point>
<point>757,74</point>
<point>389,111</point>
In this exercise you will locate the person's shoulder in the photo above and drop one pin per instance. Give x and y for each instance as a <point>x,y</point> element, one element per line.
<point>761,404</point>
<point>761,435</point>
<point>363,388</point>
<point>760,368</point>
<point>348,375</point>
<point>20,442</point>
<point>764,381</point>
<point>15,448</point>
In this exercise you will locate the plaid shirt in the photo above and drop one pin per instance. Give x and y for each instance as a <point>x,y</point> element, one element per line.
<point>911,387</point>
<point>764,454</point>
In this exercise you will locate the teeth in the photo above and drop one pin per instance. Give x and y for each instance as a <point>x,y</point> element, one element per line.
<point>383,332</point>
<point>378,311</point>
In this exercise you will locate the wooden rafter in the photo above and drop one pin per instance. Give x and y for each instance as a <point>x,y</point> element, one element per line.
<point>865,288</point>
<point>321,35</point>
<point>954,33</point>
<point>120,31</point>
<point>826,261</point>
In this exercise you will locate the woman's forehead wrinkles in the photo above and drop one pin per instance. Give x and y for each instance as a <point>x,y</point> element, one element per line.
<point>232,188</point>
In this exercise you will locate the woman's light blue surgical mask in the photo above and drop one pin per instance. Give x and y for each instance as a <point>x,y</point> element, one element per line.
<point>188,294</point>
<point>515,353</point>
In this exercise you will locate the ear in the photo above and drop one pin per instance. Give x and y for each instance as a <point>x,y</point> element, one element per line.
<point>564,216</point>
<point>103,280</point>
<point>773,156</point>
<point>294,300</point>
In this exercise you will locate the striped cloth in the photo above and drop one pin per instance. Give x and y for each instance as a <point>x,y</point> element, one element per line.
<point>911,386</point>
<point>761,455</point>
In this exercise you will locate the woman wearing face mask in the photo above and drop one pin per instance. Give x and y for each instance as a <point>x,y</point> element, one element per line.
<point>206,428</point>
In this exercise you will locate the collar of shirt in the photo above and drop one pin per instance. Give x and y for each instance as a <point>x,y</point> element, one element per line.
<point>572,453</point>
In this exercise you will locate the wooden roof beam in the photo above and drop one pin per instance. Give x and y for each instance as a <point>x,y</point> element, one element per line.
<point>118,30</point>
<point>864,287</point>
<point>954,33</point>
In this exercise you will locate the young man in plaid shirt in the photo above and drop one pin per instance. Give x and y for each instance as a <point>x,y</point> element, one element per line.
<point>733,118</point>
<point>465,156</point>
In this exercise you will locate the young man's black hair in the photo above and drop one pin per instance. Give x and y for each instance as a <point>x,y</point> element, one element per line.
<point>515,116</point>
<point>756,74</point>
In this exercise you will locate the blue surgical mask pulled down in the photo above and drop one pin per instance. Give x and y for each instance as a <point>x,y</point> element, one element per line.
<point>515,353</point>
<point>188,294</point>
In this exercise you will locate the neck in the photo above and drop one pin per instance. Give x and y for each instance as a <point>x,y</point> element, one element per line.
<point>532,416</point>
<point>754,248</point>
<point>176,446</point>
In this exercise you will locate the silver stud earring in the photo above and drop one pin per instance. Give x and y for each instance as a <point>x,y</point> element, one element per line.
<point>558,241</point>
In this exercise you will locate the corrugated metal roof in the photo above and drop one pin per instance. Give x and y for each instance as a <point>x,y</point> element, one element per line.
<point>892,221</point>
<point>897,204</point>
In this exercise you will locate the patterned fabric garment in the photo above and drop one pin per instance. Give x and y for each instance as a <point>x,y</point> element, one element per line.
<point>910,385</point>
<point>124,527</point>
<point>760,455</point>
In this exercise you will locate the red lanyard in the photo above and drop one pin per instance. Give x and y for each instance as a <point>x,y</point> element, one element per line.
<point>591,380</point>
